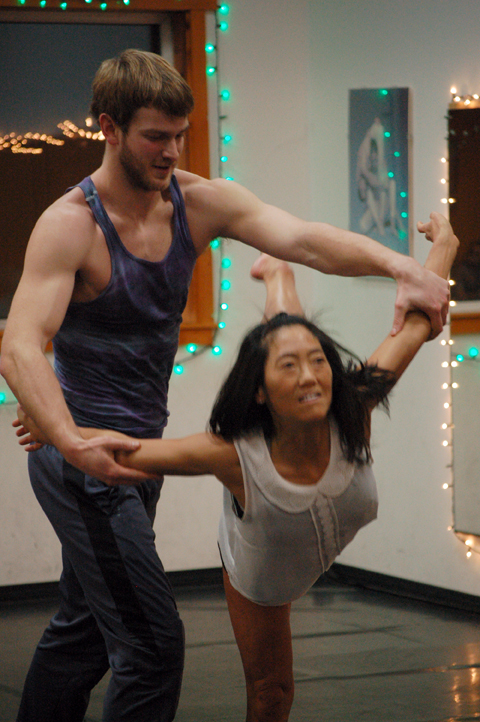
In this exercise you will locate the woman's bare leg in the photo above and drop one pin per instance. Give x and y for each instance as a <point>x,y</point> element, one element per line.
<point>264,639</point>
<point>279,282</point>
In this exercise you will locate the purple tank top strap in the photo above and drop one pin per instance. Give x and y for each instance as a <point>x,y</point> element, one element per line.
<point>99,212</point>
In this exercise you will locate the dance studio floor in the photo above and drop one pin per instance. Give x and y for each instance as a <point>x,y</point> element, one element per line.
<point>358,655</point>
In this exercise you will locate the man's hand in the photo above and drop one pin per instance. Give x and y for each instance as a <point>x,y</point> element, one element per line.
<point>94,455</point>
<point>28,432</point>
<point>421,289</point>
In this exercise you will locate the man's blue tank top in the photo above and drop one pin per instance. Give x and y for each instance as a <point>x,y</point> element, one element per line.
<point>114,355</point>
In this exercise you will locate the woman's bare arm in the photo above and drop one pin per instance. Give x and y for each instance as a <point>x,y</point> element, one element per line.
<point>396,352</point>
<point>190,456</point>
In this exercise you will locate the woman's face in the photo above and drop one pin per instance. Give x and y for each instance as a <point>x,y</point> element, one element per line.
<point>298,378</point>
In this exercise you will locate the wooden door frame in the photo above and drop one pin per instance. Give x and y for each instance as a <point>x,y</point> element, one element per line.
<point>189,36</point>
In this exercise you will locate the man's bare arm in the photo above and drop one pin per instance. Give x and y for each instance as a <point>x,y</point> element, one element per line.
<point>37,311</point>
<point>224,208</point>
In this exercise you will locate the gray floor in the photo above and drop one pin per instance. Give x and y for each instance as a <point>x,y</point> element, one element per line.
<point>359,655</point>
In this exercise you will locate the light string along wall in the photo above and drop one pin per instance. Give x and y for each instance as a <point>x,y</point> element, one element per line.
<point>32,143</point>
<point>456,357</point>
<point>218,244</point>
<point>63,5</point>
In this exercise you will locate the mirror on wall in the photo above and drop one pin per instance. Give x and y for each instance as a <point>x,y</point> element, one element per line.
<point>464,192</point>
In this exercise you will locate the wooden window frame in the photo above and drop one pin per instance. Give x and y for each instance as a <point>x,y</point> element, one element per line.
<point>464,323</point>
<point>189,38</point>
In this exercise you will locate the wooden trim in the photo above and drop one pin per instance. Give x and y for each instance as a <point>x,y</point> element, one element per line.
<point>198,333</point>
<point>188,22</point>
<point>199,162</point>
<point>463,323</point>
<point>135,6</point>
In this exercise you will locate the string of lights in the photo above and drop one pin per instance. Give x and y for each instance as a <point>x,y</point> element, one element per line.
<point>218,245</point>
<point>472,354</point>
<point>54,4</point>
<point>29,143</point>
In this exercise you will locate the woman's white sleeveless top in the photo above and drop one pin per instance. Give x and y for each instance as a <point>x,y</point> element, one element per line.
<point>290,534</point>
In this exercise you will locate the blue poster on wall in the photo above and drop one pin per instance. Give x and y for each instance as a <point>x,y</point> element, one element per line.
<point>379,165</point>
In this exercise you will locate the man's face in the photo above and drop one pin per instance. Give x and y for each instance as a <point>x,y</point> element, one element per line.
<point>150,150</point>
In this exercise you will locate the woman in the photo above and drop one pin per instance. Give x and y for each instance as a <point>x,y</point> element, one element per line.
<point>290,440</point>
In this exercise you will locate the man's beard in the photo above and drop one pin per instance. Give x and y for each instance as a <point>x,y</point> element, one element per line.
<point>134,172</point>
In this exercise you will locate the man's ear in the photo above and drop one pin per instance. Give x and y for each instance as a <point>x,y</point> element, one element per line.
<point>260,396</point>
<point>110,130</point>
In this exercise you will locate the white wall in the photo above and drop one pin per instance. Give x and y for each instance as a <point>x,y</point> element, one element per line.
<point>428,47</point>
<point>289,65</point>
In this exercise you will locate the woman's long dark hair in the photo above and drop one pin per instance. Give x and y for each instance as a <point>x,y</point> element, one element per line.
<point>355,388</point>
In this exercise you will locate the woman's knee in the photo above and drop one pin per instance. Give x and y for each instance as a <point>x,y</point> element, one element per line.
<point>271,700</point>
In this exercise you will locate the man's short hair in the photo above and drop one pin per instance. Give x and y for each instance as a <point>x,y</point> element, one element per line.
<point>138,79</point>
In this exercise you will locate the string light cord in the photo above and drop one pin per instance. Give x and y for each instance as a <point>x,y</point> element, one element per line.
<point>218,245</point>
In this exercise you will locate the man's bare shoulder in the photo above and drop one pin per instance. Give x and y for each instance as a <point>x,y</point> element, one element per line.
<point>217,194</point>
<point>69,216</point>
<point>195,187</point>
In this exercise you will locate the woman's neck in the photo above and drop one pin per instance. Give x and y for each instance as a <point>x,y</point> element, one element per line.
<point>301,454</point>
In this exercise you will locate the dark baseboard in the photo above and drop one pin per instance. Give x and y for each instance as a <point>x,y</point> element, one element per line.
<point>196,579</point>
<point>41,592</point>
<point>48,591</point>
<point>208,579</point>
<point>351,576</point>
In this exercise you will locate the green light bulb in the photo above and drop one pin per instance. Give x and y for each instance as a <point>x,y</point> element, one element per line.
<point>226,139</point>
<point>226,263</point>
<point>225,285</point>
<point>404,215</point>
<point>178,370</point>
<point>211,70</point>
<point>192,347</point>
<point>222,324</point>
<point>384,91</point>
<point>42,3</point>
<point>225,94</point>
<point>396,154</point>
<point>387,134</point>
<point>3,398</point>
<point>473,352</point>
<point>223,26</point>
<point>63,6</point>
<point>223,9</point>
<point>403,194</point>
<point>224,158</point>
<point>391,174</point>
<point>216,350</point>
<point>103,6</point>
<point>224,306</point>
<point>209,48</point>
<point>215,243</point>
<point>460,358</point>
<point>229,177</point>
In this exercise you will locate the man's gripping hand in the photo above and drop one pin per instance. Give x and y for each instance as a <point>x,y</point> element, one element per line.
<point>421,290</point>
<point>94,454</point>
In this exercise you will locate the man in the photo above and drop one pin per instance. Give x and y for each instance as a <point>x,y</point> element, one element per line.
<point>113,308</point>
